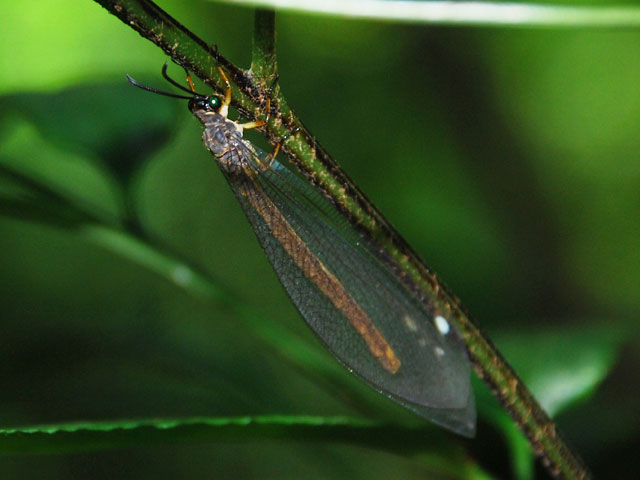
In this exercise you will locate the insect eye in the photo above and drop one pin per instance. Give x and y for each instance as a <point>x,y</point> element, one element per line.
<point>214,102</point>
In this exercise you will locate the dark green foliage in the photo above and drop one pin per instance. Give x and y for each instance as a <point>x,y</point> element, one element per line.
<point>132,288</point>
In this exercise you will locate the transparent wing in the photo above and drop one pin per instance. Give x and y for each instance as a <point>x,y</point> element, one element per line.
<point>433,378</point>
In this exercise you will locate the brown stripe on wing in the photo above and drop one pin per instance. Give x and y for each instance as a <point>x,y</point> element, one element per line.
<point>313,269</point>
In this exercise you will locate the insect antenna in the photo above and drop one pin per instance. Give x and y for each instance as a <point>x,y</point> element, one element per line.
<point>155,90</point>
<point>176,84</point>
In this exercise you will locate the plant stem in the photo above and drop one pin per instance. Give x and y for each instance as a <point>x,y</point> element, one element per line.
<point>469,13</point>
<point>263,56</point>
<point>313,161</point>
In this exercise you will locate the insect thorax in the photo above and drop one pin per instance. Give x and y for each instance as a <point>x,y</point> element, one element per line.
<point>224,139</point>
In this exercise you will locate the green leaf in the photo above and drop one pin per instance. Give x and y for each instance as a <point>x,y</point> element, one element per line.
<point>55,173</point>
<point>90,436</point>
<point>113,122</point>
<point>85,436</point>
<point>563,365</point>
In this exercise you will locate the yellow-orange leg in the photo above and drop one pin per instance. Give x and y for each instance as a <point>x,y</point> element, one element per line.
<point>224,109</point>
<point>269,158</point>
<point>227,93</point>
<point>190,82</point>
<point>259,123</point>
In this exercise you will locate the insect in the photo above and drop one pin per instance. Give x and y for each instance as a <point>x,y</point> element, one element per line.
<point>335,277</point>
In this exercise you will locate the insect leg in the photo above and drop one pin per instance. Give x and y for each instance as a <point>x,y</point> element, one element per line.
<point>268,160</point>
<point>260,123</point>
<point>227,93</point>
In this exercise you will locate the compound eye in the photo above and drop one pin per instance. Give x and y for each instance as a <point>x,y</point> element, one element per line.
<point>213,103</point>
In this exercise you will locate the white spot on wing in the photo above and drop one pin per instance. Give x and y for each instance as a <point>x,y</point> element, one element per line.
<point>442,325</point>
<point>410,323</point>
<point>439,351</point>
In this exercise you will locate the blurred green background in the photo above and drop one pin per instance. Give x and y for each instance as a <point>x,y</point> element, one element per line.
<point>508,158</point>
